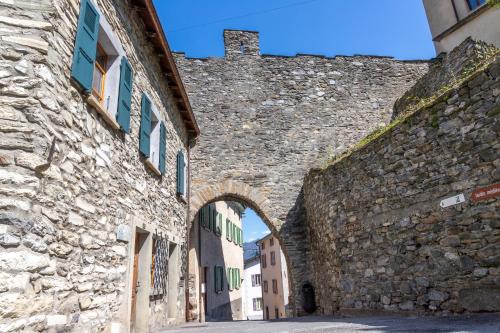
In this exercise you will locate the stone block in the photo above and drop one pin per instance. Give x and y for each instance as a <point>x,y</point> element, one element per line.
<point>23,261</point>
<point>480,299</point>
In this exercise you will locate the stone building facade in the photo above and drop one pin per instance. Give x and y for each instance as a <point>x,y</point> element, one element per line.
<point>410,222</point>
<point>82,211</point>
<point>271,118</point>
<point>216,263</point>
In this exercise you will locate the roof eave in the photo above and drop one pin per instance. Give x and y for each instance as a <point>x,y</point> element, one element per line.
<point>154,32</point>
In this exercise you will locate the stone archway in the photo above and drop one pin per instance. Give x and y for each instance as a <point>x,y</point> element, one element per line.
<point>255,199</point>
<point>265,121</point>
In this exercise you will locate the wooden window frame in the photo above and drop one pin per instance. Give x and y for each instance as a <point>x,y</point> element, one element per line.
<point>100,96</point>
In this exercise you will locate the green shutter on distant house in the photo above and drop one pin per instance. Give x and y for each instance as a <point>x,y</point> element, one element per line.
<point>219,225</point>
<point>145,131</point>
<point>87,34</point>
<point>235,234</point>
<point>163,148</point>
<point>216,280</point>
<point>228,230</point>
<point>214,212</point>
<point>124,96</point>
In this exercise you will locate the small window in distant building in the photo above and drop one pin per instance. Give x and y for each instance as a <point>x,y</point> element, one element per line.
<point>257,304</point>
<point>262,246</point>
<point>276,313</point>
<point>255,280</point>
<point>273,258</point>
<point>275,286</point>
<point>474,4</point>
<point>264,261</point>
<point>265,286</point>
<point>271,242</point>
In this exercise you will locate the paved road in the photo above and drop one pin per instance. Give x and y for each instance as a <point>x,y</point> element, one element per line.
<point>488,323</point>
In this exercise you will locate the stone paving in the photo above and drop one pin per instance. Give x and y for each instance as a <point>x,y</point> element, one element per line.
<point>484,323</point>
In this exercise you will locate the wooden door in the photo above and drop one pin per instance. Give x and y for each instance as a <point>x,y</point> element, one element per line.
<point>135,271</point>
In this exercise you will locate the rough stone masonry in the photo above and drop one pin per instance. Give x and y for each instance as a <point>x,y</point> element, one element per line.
<point>381,237</point>
<point>265,120</point>
<point>62,267</point>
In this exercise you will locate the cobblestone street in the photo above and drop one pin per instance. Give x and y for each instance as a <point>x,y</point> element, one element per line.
<point>488,323</point>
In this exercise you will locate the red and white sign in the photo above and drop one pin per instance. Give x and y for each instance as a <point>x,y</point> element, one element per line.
<point>486,193</point>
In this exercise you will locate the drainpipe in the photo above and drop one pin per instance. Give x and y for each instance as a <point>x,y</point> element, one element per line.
<point>455,10</point>
<point>188,227</point>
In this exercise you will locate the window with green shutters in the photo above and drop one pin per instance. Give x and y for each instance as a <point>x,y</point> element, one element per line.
<point>228,229</point>
<point>218,279</point>
<point>181,170</point>
<point>97,70</point>
<point>152,136</point>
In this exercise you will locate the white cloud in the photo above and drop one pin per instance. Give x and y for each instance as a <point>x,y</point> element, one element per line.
<point>267,232</point>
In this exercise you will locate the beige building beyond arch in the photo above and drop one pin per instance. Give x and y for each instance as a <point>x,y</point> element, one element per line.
<point>453,21</point>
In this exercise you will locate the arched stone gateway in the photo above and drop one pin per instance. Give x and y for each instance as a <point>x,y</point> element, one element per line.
<point>291,243</point>
<point>266,120</point>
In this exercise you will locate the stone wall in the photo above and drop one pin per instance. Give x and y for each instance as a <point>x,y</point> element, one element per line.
<point>381,240</point>
<point>446,71</point>
<point>265,120</point>
<point>62,267</point>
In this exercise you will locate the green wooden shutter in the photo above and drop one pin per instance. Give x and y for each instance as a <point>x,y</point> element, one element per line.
<point>214,218</point>
<point>219,225</point>
<point>216,273</point>
<point>87,34</point>
<point>124,96</point>
<point>183,166</point>
<point>180,172</point>
<point>163,148</point>
<point>178,175</point>
<point>235,234</point>
<point>145,133</point>
<point>228,230</point>
<point>221,278</point>
<point>209,217</point>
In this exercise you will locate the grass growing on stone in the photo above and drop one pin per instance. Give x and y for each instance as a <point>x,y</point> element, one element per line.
<point>467,74</point>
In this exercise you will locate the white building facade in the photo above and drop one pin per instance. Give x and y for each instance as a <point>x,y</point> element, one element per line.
<point>253,289</point>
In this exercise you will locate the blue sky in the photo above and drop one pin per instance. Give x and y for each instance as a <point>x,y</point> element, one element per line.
<point>253,226</point>
<point>327,27</point>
